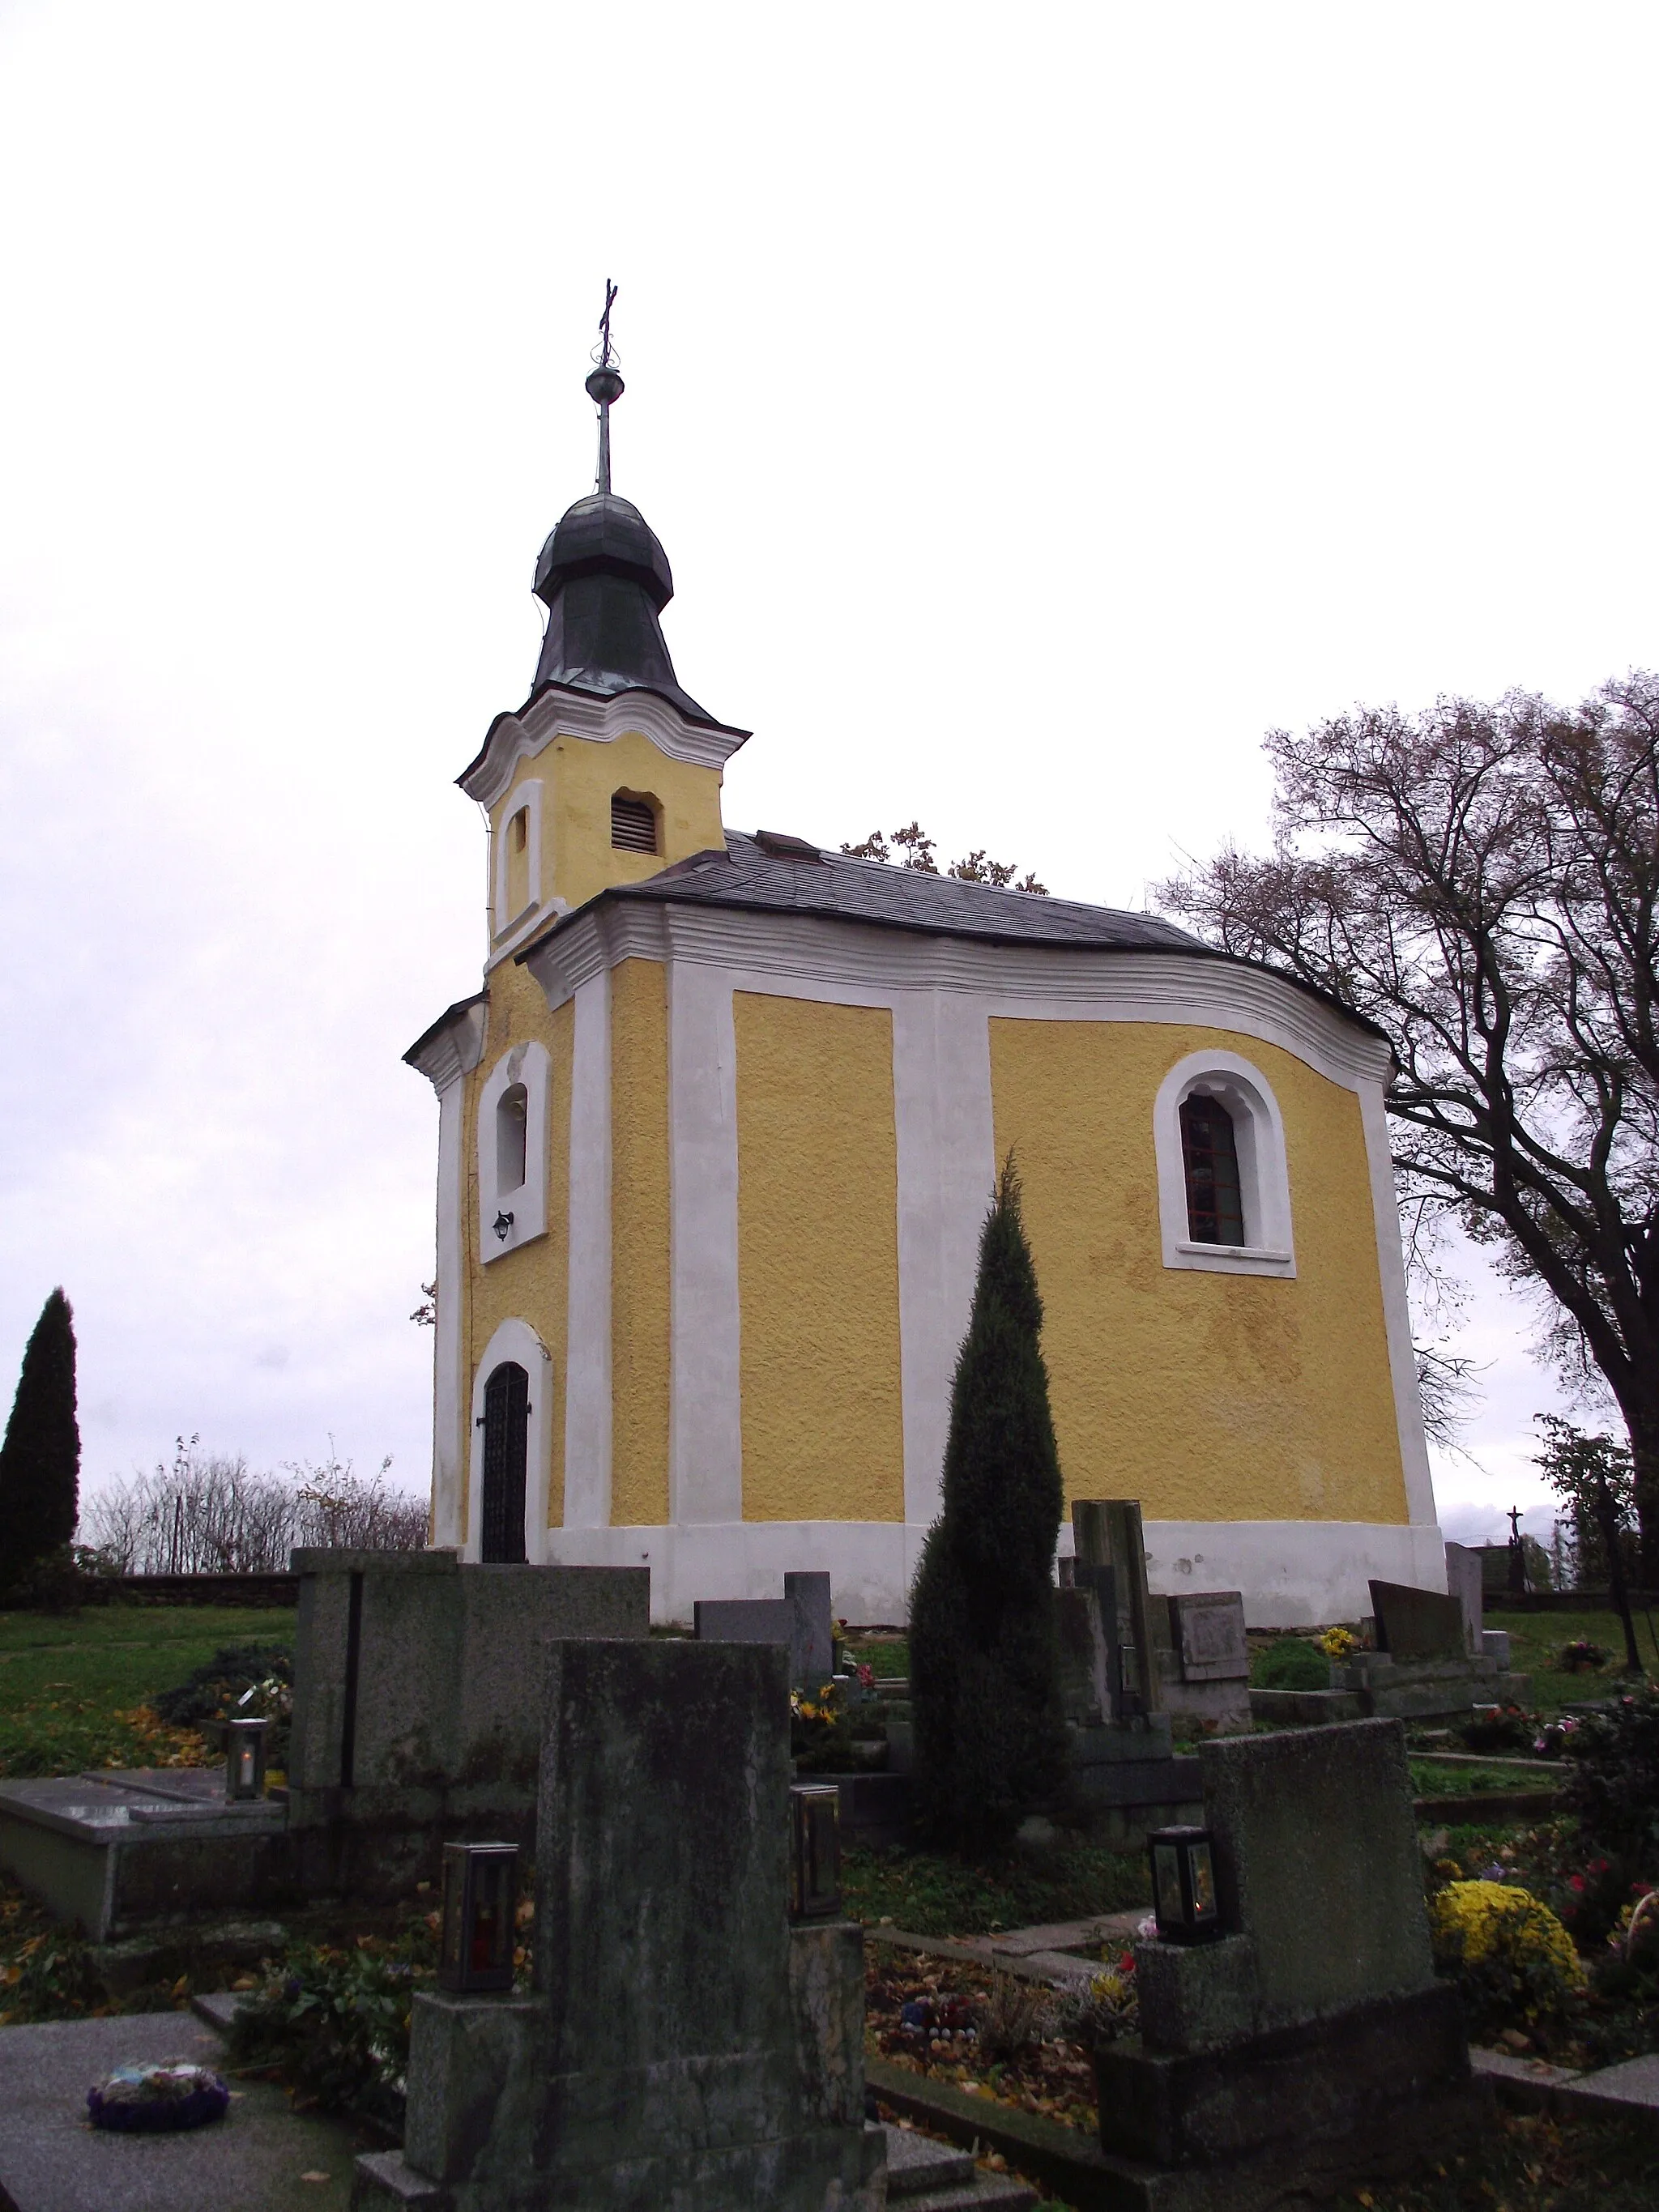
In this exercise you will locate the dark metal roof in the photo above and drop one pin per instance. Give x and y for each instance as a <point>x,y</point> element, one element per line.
<point>460,1006</point>
<point>606,580</point>
<point>760,877</point>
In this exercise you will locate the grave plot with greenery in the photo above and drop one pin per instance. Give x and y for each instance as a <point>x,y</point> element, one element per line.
<point>936,1894</point>
<point>1013,2041</point>
<point>78,1690</point>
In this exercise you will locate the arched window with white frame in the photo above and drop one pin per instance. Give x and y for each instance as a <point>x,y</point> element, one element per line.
<point>1224,1183</point>
<point>516,890</point>
<point>513,1165</point>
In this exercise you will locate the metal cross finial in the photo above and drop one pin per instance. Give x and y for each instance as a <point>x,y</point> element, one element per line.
<point>604,387</point>
<point>1515,1524</point>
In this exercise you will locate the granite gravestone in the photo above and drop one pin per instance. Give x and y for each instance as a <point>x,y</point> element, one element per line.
<point>813,1645</point>
<point>1208,1633</point>
<point>1313,2041</point>
<point>1085,1662</point>
<point>413,1714</point>
<point>1206,1673</point>
<point>411,1724</point>
<point>683,2045</point>
<point>1107,1533</point>
<point>801,1619</point>
<point>1465,1581</point>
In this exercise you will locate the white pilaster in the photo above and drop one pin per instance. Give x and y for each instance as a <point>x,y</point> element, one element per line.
<point>946,1168</point>
<point>705,1428</point>
<point>588,1373</point>
<point>1397,1314</point>
<point>449,1453</point>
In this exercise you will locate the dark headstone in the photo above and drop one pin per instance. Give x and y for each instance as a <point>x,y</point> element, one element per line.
<point>1208,1632</point>
<point>1085,1680</point>
<point>746,1620</point>
<point>1107,1533</point>
<point>1418,1624</point>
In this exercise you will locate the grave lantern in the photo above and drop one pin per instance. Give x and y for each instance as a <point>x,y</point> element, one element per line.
<point>1184,1885</point>
<point>814,1850</point>
<point>480,1895</point>
<point>244,1758</point>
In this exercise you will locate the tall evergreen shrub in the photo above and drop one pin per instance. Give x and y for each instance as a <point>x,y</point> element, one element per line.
<point>984,1662</point>
<point>41,1458</point>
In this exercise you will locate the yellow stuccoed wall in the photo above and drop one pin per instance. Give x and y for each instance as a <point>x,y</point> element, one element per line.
<point>1206,1397</point>
<point>639,1244</point>
<point>818,1262</point>
<point>531,1284</point>
<point>578,777</point>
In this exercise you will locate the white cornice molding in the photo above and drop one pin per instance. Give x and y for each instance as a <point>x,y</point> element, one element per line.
<point>1019,981</point>
<point>558,711</point>
<point>452,1047</point>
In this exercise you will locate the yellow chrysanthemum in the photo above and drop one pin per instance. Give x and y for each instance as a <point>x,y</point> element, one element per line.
<point>1473,1921</point>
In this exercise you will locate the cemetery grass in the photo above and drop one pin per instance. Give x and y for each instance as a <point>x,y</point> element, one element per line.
<point>1430,1781</point>
<point>931,1893</point>
<point>1528,2162</point>
<point>1537,1640</point>
<point>74,1687</point>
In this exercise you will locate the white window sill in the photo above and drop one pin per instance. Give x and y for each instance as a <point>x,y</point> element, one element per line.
<point>1257,1252</point>
<point>517,922</point>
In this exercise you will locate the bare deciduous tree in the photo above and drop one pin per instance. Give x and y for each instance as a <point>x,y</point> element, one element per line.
<point>1482,882</point>
<point>211,1514</point>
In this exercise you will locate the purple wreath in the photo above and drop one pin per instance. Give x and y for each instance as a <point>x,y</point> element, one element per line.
<point>170,2095</point>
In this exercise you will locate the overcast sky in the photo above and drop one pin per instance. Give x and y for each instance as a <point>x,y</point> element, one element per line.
<point>1036,406</point>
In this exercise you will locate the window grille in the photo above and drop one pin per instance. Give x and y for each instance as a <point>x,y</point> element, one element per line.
<point>1209,1150</point>
<point>633,825</point>
<point>505,1449</point>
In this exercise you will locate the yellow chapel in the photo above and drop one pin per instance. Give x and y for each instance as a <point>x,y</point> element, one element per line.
<point>717,1136</point>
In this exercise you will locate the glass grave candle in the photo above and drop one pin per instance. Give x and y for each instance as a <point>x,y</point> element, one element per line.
<point>244,1758</point>
<point>480,1893</point>
<point>814,1850</point>
<point>1184,1885</point>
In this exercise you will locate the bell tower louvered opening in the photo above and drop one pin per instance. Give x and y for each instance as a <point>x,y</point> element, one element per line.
<point>633,823</point>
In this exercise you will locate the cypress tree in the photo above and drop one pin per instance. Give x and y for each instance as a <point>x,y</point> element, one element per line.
<point>41,1458</point>
<point>984,1662</point>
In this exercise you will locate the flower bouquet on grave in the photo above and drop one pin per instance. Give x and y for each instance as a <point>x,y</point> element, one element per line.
<point>1108,2008</point>
<point>1503,1728</point>
<point>138,2099</point>
<point>819,1736</point>
<point>1554,1737</point>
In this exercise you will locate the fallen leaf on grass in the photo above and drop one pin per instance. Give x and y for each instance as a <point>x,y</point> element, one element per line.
<point>314,2177</point>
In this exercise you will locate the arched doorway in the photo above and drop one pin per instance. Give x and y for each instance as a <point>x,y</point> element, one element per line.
<point>506,1427</point>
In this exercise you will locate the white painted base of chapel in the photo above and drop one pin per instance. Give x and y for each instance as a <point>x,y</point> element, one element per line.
<point>1292,1573</point>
